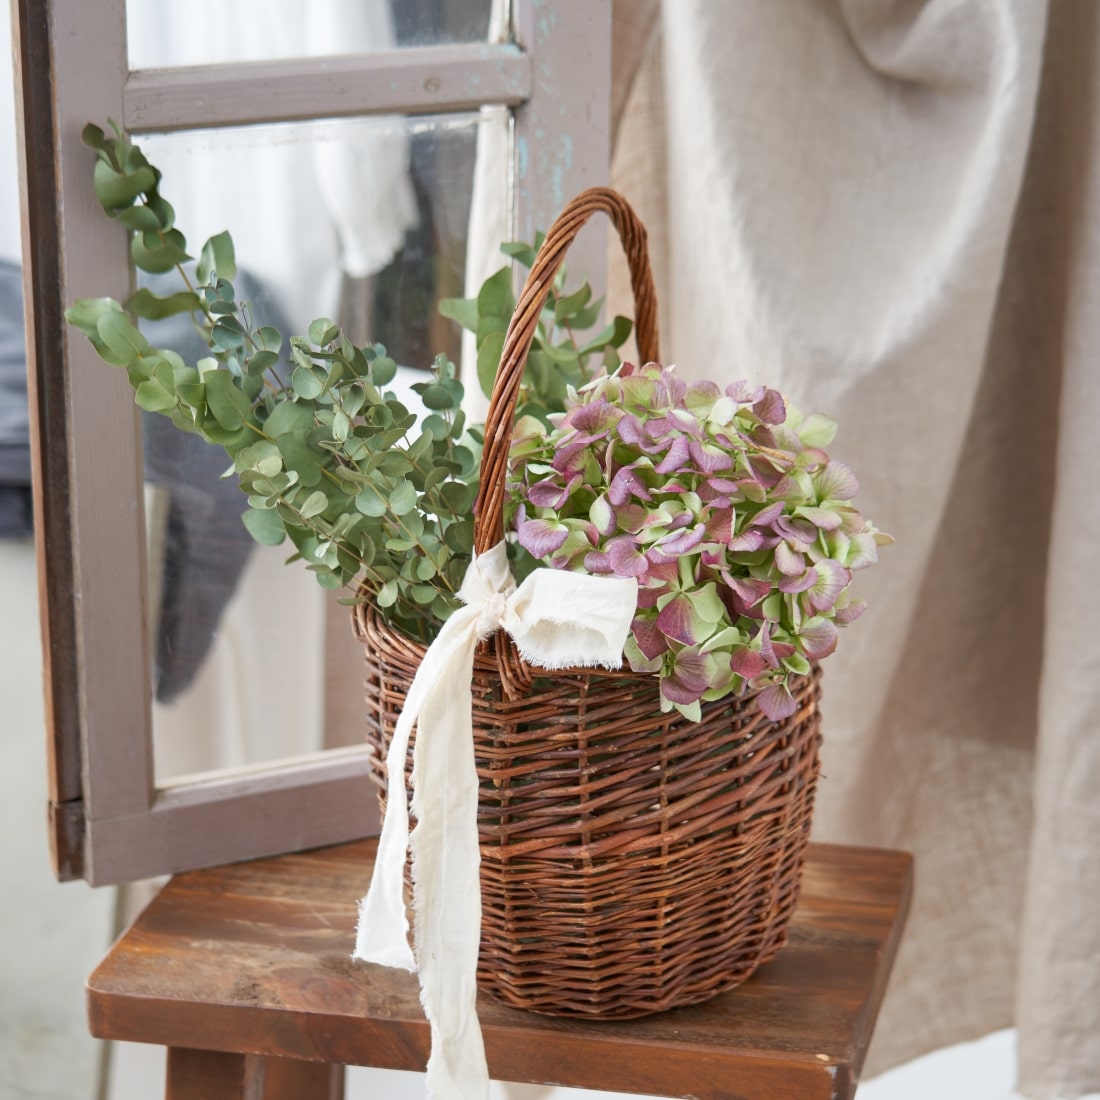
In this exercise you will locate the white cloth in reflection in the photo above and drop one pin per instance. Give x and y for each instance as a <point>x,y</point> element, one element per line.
<point>351,182</point>
<point>305,204</point>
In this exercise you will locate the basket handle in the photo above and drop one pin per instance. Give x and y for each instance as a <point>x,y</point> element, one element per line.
<point>489,510</point>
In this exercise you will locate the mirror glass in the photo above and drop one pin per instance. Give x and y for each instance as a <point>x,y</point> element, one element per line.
<point>210,32</point>
<point>364,221</point>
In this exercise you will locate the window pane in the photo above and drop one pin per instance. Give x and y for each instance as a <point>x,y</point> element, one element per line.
<point>361,220</point>
<point>207,32</point>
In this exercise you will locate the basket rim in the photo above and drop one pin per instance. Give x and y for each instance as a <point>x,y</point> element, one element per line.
<point>372,630</point>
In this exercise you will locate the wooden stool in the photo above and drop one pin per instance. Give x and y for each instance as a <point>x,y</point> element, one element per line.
<point>245,974</point>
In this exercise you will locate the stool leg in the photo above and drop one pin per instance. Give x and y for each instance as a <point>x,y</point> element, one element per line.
<point>212,1075</point>
<point>216,1075</point>
<point>291,1079</point>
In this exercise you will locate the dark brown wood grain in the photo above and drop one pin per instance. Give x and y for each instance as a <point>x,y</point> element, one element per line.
<point>254,958</point>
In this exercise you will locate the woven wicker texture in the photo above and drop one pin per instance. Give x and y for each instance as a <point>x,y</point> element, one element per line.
<point>631,861</point>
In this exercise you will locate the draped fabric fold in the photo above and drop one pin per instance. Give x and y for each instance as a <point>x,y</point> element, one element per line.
<point>889,211</point>
<point>558,620</point>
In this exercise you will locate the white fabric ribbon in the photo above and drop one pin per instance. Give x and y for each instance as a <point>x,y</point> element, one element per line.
<point>558,620</point>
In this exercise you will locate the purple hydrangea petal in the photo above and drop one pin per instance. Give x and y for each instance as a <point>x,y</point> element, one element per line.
<point>631,518</point>
<point>570,459</point>
<point>671,388</point>
<point>763,471</point>
<point>549,493</point>
<point>743,393</point>
<point>849,613</point>
<point>666,575</point>
<point>688,679</point>
<point>712,555</point>
<point>631,432</point>
<point>676,457</point>
<point>675,690</point>
<point>650,640</point>
<point>719,526</point>
<point>747,662</point>
<point>661,427</point>
<point>818,640</point>
<point>799,584</point>
<point>597,416</point>
<point>832,579</point>
<point>767,651</point>
<point>597,561</point>
<point>747,541</point>
<point>771,408</point>
<point>776,702</point>
<point>674,544</point>
<point>679,622</point>
<point>825,519</point>
<point>836,482</point>
<point>767,516</point>
<point>626,560</point>
<point>795,529</point>
<point>750,590</point>
<point>788,561</point>
<point>541,537</point>
<point>625,484</point>
<point>723,485</point>
<point>709,458</point>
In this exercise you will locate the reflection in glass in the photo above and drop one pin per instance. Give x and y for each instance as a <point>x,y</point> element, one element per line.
<point>209,32</point>
<point>362,220</point>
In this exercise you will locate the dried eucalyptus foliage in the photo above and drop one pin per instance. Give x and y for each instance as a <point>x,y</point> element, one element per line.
<point>329,458</point>
<point>560,359</point>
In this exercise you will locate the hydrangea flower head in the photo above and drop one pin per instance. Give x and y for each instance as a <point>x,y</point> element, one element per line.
<point>724,505</point>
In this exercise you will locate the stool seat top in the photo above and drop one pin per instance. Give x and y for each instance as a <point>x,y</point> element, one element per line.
<point>255,958</point>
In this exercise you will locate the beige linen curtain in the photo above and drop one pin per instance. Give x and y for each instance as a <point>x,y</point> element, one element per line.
<point>891,210</point>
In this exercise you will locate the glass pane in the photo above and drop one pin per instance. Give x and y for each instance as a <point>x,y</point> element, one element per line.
<point>361,220</point>
<point>208,32</point>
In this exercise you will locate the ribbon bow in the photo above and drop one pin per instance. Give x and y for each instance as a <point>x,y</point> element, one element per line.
<point>557,619</point>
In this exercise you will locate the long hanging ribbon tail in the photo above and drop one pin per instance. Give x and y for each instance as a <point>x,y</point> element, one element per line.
<point>446,877</point>
<point>383,931</point>
<point>445,862</point>
<point>557,619</point>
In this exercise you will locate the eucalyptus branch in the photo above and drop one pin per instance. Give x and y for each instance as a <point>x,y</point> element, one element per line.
<point>326,455</point>
<point>442,577</point>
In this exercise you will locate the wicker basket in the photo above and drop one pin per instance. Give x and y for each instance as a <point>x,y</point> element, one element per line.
<point>631,861</point>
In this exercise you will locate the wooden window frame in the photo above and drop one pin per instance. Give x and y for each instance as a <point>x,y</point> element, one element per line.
<point>110,820</point>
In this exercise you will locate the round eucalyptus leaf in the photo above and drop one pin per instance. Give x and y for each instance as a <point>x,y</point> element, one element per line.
<point>437,397</point>
<point>314,504</point>
<point>402,498</point>
<point>422,594</point>
<point>306,384</point>
<point>370,502</point>
<point>265,526</point>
